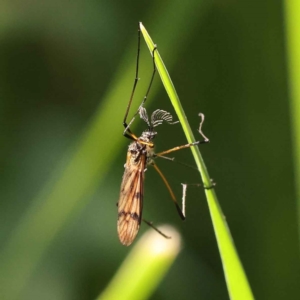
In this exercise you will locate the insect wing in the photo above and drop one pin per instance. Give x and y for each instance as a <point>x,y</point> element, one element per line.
<point>130,204</point>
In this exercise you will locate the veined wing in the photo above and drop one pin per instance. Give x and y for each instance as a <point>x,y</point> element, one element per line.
<point>130,203</point>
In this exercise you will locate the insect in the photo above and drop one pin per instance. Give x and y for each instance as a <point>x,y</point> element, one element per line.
<point>140,154</point>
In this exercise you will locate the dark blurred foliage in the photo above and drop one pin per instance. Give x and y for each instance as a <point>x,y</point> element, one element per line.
<point>57,60</point>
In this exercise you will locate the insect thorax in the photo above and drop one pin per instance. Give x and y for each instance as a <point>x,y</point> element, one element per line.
<point>138,148</point>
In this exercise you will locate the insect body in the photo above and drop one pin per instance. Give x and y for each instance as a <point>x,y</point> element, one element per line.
<point>140,154</point>
<point>130,205</point>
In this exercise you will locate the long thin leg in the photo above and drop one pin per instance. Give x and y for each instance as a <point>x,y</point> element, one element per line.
<point>184,186</point>
<point>178,162</point>
<point>135,82</point>
<point>156,229</point>
<point>206,140</point>
<point>179,148</point>
<point>127,132</point>
<point>170,191</point>
<point>127,128</point>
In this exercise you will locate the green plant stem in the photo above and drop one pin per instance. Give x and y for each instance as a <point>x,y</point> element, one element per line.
<point>292,17</point>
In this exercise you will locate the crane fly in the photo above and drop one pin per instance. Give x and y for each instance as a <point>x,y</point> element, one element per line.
<point>140,154</point>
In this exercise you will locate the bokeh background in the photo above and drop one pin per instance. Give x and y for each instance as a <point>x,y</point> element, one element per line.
<point>67,70</point>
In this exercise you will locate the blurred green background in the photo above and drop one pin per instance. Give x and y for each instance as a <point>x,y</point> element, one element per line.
<point>67,70</point>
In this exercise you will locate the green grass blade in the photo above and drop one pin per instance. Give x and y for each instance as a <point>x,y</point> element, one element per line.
<point>236,279</point>
<point>144,267</point>
<point>292,15</point>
